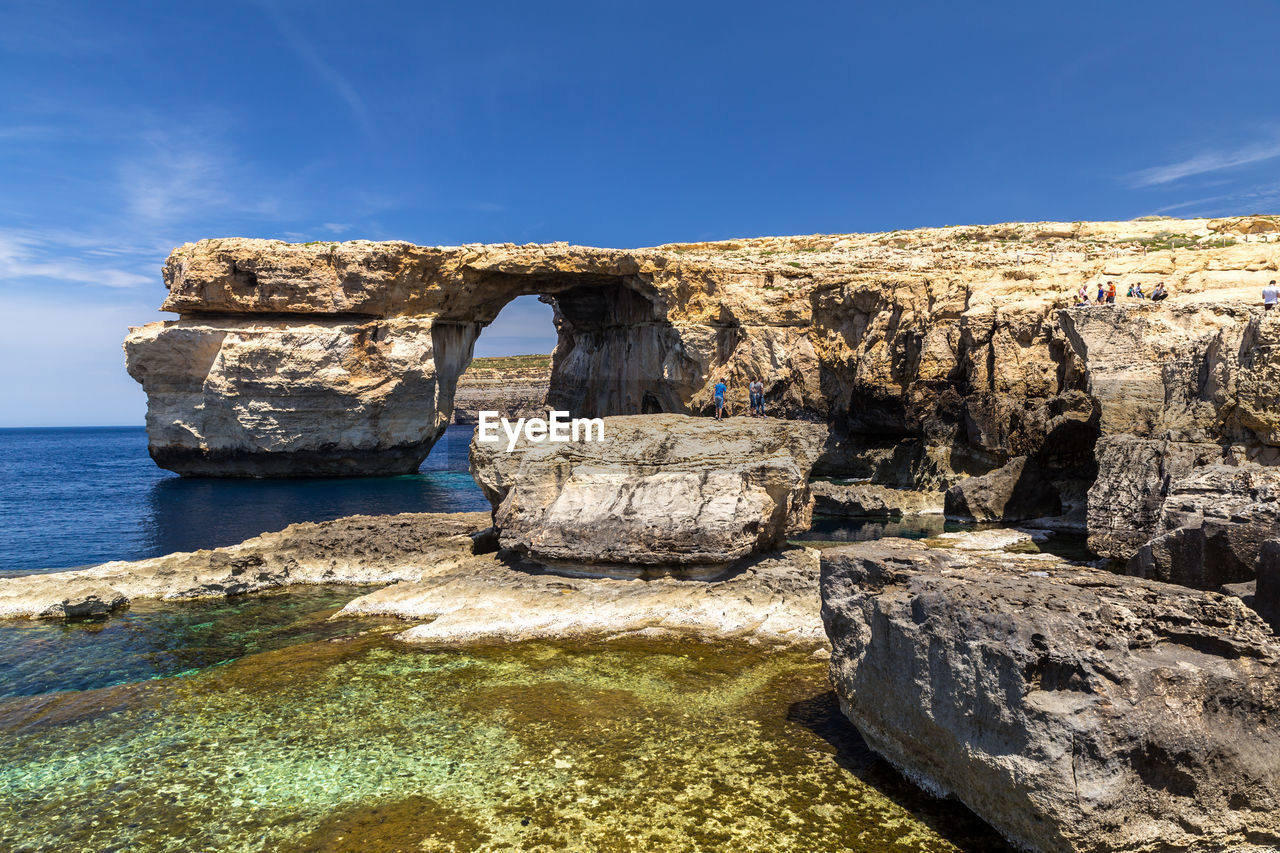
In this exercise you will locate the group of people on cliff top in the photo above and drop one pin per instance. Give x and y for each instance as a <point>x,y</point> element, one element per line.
<point>755,391</point>
<point>1107,293</point>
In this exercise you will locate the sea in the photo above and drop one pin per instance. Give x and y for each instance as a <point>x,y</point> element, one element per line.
<point>80,496</point>
<point>264,723</point>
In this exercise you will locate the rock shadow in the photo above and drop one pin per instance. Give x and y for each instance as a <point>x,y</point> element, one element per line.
<point>949,818</point>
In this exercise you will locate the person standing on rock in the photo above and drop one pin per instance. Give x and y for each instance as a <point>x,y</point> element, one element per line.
<point>1270,295</point>
<point>1102,292</point>
<point>756,391</point>
<point>1111,293</point>
<point>1084,295</point>
<point>720,390</point>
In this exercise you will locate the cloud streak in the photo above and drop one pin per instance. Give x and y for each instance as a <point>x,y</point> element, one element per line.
<point>1214,161</point>
<point>26,255</point>
<point>326,72</point>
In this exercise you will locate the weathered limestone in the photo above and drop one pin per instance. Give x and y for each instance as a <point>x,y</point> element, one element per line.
<point>935,354</point>
<point>514,387</point>
<point>1177,388</point>
<point>769,599</point>
<point>867,500</point>
<point>1217,518</point>
<point>1072,709</point>
<point>1266,596</point>
<point>358,549</point>
<point>1018,491</point>
<point>660,493</point>
<point>444,576</point>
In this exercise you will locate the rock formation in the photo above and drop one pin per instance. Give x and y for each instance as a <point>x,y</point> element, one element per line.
<point>1217,518</point>
<point>867,500</point>
<point>1017,491</point>
<point>660,493</point>
<point>770,599</point>
<point>1073,709</point>
<point>358,549</point>
<point>1266,597</point>
<point>935,354</point>
<point>446,581</point>
<point>513,386</point>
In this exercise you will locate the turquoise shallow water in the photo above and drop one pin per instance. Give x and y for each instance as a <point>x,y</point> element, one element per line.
<point>260,724</point>
<point>362,743</point>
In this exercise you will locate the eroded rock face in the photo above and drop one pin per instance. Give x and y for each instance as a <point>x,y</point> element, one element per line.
<point>770,599</point>
<point>661,493</point>
<point>514,387</point>
<point>1018,491</point>
<point>1266,597</point>
<point>1177,389</point>
<point>1217,518</point>
<point>358,549</point>
<point>1073,709</point>
<point>935,354</point>
<point>867,500</point>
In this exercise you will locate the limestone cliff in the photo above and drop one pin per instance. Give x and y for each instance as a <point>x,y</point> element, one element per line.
<point>514,386</point>
<point>935,354</point>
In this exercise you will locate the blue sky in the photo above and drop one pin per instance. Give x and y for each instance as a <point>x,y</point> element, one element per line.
<point>128,128</point>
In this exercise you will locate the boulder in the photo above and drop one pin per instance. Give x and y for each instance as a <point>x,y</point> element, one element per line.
<point>1216,518</point>
<point>660,493</point>
<point>1017,491</point>
<point>865,500</point>
<point>85,603</point>
<point>358,549</point>
<point>1075,710</point>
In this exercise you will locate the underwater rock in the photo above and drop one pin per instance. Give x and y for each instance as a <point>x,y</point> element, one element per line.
<point>358,549</point>
<point>660,494</point>
<point>1074,710</point>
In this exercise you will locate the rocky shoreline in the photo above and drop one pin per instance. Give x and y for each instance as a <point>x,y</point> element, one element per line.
<point>1015,681</point>
<point>1128,703</point>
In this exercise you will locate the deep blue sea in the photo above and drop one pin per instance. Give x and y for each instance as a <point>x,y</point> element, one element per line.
<point>79,496</point>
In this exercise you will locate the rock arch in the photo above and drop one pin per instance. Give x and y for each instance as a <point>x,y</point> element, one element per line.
<point>342,359</point>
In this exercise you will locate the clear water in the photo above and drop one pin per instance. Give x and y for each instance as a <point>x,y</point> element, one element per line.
<point>361,743</point>
<point>260,724</point>
<point>158,639</point>
<point>74,497</point>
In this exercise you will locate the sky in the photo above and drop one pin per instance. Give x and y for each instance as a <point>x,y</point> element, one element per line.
<point>128,128</point>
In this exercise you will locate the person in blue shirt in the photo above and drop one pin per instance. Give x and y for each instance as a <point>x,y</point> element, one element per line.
<point>720,390</point>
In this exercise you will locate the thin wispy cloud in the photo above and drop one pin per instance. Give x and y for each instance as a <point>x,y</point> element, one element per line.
<point>172,178</point>
<point>1253,200</point>
<point>1213,161</point>
<point>326,72</point>
<point>26,255</point>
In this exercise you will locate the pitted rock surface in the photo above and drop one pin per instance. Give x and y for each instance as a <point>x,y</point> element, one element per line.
<point>1073,709</point>
<point>660,494</point>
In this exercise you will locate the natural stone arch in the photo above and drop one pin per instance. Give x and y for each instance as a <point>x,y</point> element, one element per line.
<point>303,361</point>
